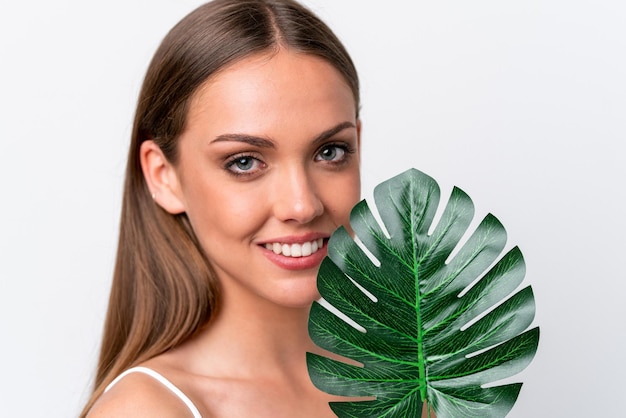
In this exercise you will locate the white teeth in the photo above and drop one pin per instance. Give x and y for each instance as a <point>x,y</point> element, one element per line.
<point>296,250</point>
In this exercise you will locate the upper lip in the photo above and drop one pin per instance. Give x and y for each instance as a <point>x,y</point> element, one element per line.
<point>296,239</point>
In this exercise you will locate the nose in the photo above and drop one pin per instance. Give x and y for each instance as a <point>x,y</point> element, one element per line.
<point>296,197</point>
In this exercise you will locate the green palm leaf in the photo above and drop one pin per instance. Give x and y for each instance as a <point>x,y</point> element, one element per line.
<point>427,337</point>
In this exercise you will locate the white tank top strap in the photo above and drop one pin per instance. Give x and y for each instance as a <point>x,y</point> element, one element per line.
<point>164,382</point>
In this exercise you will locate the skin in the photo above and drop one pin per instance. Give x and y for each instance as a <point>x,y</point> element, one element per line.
<point>296,181</point>
<point>270,154</point>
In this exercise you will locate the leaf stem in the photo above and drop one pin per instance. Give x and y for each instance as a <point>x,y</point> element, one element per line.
<point>418,317</point>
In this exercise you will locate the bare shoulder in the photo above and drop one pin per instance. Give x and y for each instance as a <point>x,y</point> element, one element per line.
<point>138,395</point>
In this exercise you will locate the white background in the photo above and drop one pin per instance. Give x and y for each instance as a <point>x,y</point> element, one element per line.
<point>520,103</point>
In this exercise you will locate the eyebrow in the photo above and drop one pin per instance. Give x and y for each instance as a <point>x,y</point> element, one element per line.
<point>261,142</point>
<point>256,141</point>
<point>333,131</point>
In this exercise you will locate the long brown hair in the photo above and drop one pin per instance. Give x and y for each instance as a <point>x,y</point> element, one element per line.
<point>164,288</point>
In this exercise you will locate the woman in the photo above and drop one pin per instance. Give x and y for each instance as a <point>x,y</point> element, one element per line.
<point>244,159</point>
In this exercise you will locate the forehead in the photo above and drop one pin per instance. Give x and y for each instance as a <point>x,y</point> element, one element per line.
<point>261,91</point>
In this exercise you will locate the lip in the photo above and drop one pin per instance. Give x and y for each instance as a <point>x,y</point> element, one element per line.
<point>296,263</point>
<point>296,239</point>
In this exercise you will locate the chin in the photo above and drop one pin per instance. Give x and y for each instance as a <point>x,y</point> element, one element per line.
<point>300,298</point>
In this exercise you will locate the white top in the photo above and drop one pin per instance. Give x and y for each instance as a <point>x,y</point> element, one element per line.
<point>164,381</point>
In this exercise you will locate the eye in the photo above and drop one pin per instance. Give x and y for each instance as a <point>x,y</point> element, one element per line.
<point>332,152</point>
<point>244,165</point>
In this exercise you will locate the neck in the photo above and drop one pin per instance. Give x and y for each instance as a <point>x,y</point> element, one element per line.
<point>255,337</point>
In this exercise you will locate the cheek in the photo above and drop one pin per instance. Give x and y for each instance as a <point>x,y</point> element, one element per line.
<point>217,214</point>
<point>343,195</point>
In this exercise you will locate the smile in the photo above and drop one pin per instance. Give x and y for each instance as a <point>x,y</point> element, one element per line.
<point>304,249</point>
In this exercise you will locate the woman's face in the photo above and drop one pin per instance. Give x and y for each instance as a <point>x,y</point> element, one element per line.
<point>268,168</point>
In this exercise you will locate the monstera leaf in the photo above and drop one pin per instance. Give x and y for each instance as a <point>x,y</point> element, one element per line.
<point>438,323</point>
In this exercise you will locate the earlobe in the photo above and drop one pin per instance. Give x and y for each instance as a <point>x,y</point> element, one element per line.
<point>161,178</point>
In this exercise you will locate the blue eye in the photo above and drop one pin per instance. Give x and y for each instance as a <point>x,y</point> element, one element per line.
<point>244,164</point>
<point>332,153</point>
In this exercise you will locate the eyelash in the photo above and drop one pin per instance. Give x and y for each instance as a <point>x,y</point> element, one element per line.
<point>232,161</point>
<point>346,148</point>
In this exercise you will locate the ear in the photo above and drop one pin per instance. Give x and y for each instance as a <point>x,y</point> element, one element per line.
<point>161,178</point>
